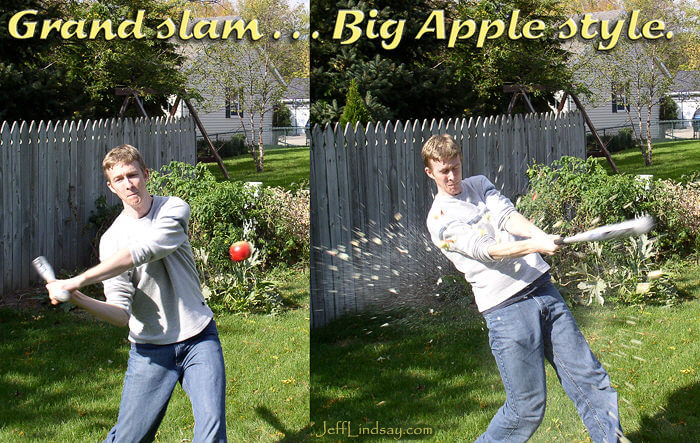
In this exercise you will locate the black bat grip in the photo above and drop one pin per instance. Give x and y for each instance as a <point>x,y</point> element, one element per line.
<point>559,241</point>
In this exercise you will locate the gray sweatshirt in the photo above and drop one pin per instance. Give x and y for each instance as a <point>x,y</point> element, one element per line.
<point>162,293</point>
<point>465,225</point>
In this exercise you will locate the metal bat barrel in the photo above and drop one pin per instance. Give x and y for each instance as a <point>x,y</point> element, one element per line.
<point>627,228</point>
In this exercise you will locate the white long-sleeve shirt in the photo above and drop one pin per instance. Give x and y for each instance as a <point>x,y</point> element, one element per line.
<point>465,225</point>
<point>162,292</point>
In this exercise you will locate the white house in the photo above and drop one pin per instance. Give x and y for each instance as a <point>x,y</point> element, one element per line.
<point>685,91</point>
<point>608,102</point>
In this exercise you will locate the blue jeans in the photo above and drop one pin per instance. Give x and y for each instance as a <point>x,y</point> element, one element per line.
<point>152,373</point>
<point>521,336</point>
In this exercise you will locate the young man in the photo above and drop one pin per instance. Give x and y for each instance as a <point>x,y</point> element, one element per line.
<point>151,285</point>
<point>498,250</point>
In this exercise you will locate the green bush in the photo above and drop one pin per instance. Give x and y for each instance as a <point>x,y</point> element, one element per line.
<point>274,220</point>
<point>282,116</point>
<point>286,215</point>
<point>574,195</point>
<point>237,287</point>
<point>234,146</point>
<point>225,212</point>
<point>181,180</point>
<point>614,143</point>
<point>225,148</point>
<point>677,211</point>
<point>668,109</point>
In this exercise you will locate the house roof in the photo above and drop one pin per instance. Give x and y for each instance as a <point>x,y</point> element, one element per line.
<point>298,88</point>
<point>686,81</point>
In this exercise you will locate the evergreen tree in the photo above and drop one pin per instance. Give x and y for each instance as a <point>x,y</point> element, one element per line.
<point>355,108</point>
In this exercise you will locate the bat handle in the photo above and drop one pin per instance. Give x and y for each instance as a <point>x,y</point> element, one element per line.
<point>63,296</point>
<point>559,241</point>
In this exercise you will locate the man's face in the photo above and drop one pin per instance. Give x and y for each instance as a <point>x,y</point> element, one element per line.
<point>128,181</point>
<point>447,175</point>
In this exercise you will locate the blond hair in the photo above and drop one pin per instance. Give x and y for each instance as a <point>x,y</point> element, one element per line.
<point>441,147</point>
<point>125,154</point>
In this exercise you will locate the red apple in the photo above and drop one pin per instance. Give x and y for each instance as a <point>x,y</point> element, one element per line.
<point>239,251</point>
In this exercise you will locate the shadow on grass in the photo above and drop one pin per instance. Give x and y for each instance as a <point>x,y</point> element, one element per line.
<point>678,421</point>
<point>59,371</point>
<point>393,371</point>
<point>289,436</point>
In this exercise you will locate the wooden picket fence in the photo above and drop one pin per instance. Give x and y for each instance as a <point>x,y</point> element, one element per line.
<point>51,175</point>
<point>370,197</point>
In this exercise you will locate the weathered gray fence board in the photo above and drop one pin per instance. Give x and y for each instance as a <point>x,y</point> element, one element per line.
<point>51,175</point>
<point>5,169</point>
<point>16,203</point>
<point>369,190</point>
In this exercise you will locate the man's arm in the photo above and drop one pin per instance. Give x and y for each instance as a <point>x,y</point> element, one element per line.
<point>541,244</point>
<point>112,314</point>
<point>518,225</point>
<point>114,265</point>
<point>536,239</point>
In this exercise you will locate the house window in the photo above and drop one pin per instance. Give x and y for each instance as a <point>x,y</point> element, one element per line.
<point>620,101</point>
<point>232,107</point>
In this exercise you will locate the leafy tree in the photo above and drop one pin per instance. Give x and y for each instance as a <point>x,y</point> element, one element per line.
<point>505,61</point>
<point>355,109</point>
<point>411,81</point>
<point>75,78</point>
<point>254,73</point>
<point>31,86</point>
<point>642,69</point>
<point>424,78</point>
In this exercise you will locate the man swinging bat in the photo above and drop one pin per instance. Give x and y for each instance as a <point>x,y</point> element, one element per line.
<point>151,284</point>
<point>498,250</point>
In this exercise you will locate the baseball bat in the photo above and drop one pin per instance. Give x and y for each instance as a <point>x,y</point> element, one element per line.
<point>43,267</point>
<point>627,228</point>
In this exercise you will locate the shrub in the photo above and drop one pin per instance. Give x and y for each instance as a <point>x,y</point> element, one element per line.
<point>668,109</point>
<point>181,180</point>
<point>573,195</point>
<point>275,220</point>
<point>677,211</point>
<point>225,212</point>
<point>233,146</point>
<point>282,116</point>
<point>237,287</point>
<point>287,217</point>
<point>626,272</point>
<point>622,140</point>
<point>225,148</point>
<point>614,143</point>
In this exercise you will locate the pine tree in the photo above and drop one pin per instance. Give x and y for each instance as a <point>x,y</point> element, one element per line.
<point>355,108</point>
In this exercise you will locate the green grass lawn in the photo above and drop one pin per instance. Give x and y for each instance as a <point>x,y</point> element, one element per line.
<point>404,371</point>
<point>282,167</point>
<point>669,160</point>
<point>62,372</point>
